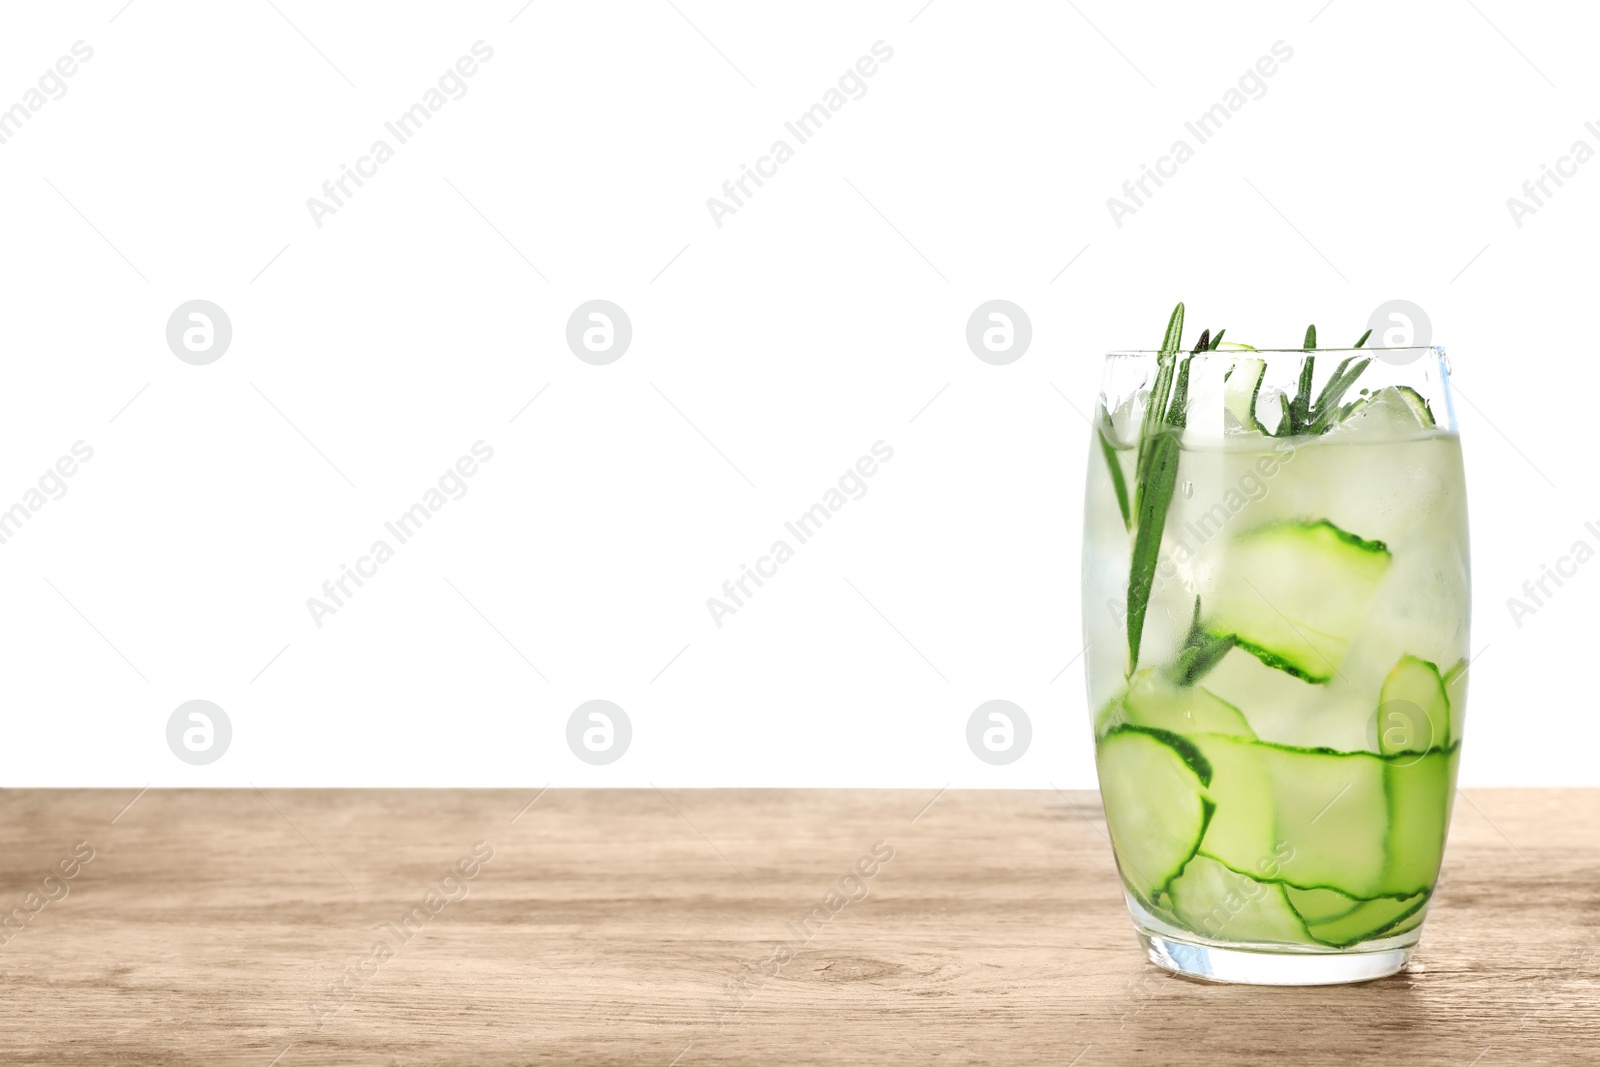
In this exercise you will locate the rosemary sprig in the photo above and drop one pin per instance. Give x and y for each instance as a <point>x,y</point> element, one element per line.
<point>1157,475</point>
<point>1302,415</point>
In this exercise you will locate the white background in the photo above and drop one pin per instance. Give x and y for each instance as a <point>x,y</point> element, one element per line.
<point>827,314</point>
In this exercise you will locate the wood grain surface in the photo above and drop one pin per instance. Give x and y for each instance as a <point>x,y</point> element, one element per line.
<point>688,927</point>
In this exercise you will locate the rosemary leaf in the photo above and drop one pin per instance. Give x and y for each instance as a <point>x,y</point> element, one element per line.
<point>1118,483</point>
<point>1156,471</point>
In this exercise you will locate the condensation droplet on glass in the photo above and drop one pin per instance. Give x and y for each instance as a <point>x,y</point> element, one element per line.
<point>1188,490</point>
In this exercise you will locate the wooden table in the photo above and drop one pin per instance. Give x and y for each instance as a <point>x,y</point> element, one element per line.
<point>296,927</point>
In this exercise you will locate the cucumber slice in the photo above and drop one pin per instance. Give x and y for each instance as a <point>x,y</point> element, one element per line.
<point>1153,785</point>
<point>1161,908</point>
<point>1224,905</point>
<point>1320,906</point>
<point>1394,410</point>
<point>1370,920</point>
<point>1455,689</point>
<point>1240,392</point>
<point>1420,794</point>
<point>1420,409</point>
<point>1332,814</point>
<point>1359,920</point>
<point>1242,832</point>
<point>1409,922</point>
<point>1153,701</point>
<point>1363,824</point>
<point>1294,594</point>
<point>1413,708</point>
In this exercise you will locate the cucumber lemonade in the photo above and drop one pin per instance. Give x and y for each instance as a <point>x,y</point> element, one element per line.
<point>1276,603</point>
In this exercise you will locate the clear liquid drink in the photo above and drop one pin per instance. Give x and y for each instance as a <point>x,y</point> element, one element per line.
<point>1277,662</point>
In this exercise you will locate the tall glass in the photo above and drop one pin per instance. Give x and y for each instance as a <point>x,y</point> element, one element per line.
<point>1277,660</point>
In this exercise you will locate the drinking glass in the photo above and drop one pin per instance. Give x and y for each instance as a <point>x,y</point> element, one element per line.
<point>1275,598</point>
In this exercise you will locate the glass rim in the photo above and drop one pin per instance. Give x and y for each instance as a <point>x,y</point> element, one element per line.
<point>1250,353</point>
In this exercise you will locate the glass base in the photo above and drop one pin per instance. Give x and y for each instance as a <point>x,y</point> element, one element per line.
<point>1243,963</point>
<point>1211,963</point>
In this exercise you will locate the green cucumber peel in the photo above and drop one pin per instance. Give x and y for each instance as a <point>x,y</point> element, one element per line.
<point>1357,926</point>
<point>1287,884</point>
<point>1278,663</point>
<point>1185,748</point>
<point>1353,540</point>
<point>1404,758</point>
